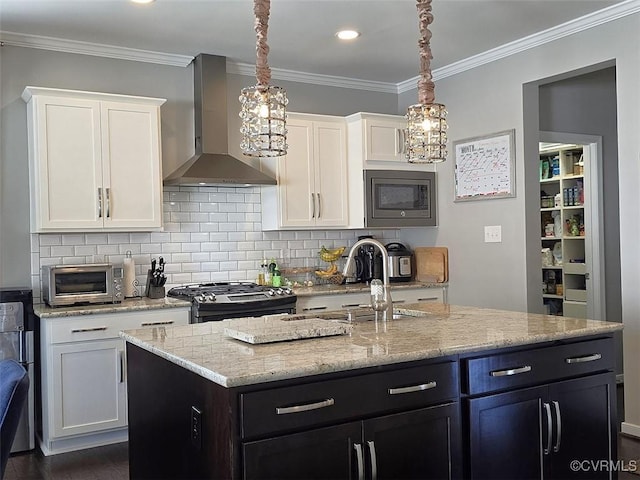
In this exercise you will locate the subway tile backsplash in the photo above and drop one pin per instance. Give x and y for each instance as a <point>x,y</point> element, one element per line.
<point>211,234</point>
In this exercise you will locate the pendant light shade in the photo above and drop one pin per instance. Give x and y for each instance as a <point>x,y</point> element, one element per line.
<point>426,120</point>
<point>263,106</point>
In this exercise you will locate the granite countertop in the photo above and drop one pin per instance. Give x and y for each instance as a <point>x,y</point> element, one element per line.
<point>440,330</point>
<point>128,305</point>
<point>331,289</point>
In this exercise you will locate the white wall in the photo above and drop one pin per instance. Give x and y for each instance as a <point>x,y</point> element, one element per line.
<point>489,99</point>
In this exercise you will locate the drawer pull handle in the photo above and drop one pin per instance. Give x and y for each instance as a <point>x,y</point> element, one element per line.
<point>586,358</point>
<point>511,371</point>
<point>305,408</point>
<point>93,329</point>
<point>308,309</point>
<point>398,301</point>
<point>348,305</point>
<point>547,409</point>
<point>412,388</point>
<point>428,299</point>
<point>149,324</point>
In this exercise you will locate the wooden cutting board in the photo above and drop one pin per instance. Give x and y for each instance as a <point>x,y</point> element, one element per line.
<point>432,264</point>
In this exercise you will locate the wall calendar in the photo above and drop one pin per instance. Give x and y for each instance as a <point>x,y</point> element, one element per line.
<point>485,167</point>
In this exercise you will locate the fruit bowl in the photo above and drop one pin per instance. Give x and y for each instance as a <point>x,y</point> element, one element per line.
<point>330,255</point>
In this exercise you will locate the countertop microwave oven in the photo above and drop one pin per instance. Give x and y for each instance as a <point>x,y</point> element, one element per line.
<point>64,285</point>
<point>400,198</point>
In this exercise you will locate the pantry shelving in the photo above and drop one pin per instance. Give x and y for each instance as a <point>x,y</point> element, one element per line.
<point>563,229</point>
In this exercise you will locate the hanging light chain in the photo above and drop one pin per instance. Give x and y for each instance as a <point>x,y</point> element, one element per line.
<point>261,10</point>
<point>426,87</point>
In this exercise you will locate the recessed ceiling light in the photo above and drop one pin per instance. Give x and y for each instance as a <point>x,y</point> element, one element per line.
<point>347,34</point>
<point>143,1</point>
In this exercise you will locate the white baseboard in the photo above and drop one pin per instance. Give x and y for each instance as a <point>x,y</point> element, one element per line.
<point>81,442</point>
<point>631,429</point>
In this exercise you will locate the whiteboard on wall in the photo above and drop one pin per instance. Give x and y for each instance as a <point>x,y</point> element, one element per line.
<point>485,167</point>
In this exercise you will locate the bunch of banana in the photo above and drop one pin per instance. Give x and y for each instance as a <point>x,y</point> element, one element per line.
<point>329,272</point>
<point>330,255</point>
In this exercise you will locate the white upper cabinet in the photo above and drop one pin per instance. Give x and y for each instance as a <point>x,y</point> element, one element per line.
<point>377,142</point>
<point>312,177</point>
<point>94,161</point>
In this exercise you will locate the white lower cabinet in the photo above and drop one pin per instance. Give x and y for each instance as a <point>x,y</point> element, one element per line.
<point>89,388</point>
<point>340,301</point>
<point>83,381</point>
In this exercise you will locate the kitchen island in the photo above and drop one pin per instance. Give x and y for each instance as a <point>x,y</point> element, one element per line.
<point>390,398</point>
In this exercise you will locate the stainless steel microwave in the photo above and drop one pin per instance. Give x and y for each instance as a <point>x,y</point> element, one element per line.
<point>64,285</point>
<point>400,198</point>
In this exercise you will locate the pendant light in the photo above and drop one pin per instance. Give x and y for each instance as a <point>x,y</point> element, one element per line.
<point>263,106</point>
<point>426,120</point>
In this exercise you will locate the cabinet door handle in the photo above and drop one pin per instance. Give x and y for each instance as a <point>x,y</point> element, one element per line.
<point>108,190</point>
<point>412,388</point>
<point>149,324</point>
<point>309,309</point>
<point>547,409</point>
<point>319,206</point>
<point>121,367</point>
<point>374,461</point>
<point>511,371</point>
<point>556,447</point>
<point>428,299</point>
<point>358,449</point>
<point>306,407</point>
<point>99,202</point>
<point>313,205</point>
<point>90,329</point>
<point>586,358</point>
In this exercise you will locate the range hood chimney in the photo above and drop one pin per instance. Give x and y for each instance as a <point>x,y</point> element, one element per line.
<point>212,165</point>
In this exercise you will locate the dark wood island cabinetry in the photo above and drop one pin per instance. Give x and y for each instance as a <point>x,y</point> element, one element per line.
<point>391,405</point>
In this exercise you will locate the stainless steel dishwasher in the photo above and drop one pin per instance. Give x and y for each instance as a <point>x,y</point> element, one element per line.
<point>16,342</point>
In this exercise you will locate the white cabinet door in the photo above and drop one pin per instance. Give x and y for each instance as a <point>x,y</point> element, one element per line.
<point>132,177</point>
<point>89,387</point>
<point>94,161</point>
<point>330,174</point>
<point>66,163</point>
<point>384,139</point>
<point>312,177</point>
<point>296,172</point>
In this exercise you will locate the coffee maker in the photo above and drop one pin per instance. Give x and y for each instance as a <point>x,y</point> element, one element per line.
<point>368,264</point>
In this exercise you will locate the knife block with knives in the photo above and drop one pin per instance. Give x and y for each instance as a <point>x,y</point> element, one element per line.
<point>156,279</point>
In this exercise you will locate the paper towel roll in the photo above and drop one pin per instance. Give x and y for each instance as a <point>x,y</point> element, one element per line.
<point>129,277</point>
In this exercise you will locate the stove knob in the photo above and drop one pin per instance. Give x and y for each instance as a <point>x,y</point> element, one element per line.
<point>271,292</point>
<point>199,298</point>
<point>210,297</point>
<point>287,291</point>
<point>280,291</point>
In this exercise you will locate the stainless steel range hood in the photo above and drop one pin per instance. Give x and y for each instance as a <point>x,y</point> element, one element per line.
<point>212,165</point>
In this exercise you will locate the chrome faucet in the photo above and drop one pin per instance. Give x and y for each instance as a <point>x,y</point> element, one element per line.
<point>385,269</point>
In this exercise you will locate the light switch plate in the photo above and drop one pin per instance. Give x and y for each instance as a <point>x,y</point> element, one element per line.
<point>493,233</point>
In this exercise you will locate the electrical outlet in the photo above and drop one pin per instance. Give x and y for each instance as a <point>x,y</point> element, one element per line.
<point>196,428</point>
<point>493,234</point>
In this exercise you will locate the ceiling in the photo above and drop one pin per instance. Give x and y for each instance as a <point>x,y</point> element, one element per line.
<point>301,32</point>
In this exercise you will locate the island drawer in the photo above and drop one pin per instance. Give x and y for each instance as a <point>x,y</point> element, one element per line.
<point>538,365</point>
<point>330,401</point>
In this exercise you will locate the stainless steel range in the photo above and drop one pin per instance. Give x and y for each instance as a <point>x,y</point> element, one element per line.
<point>217,301</point>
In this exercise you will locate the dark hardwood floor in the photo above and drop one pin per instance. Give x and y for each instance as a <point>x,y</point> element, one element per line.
<point>112,463</point>
<point>102,463</point>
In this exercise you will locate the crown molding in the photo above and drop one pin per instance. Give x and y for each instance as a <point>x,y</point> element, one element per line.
<point>95,49</point>
<point>614,12</point>
<point>314,78</point>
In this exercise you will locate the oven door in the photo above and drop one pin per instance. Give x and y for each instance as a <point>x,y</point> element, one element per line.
<point>400,198</point>
<point>199,315</point>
